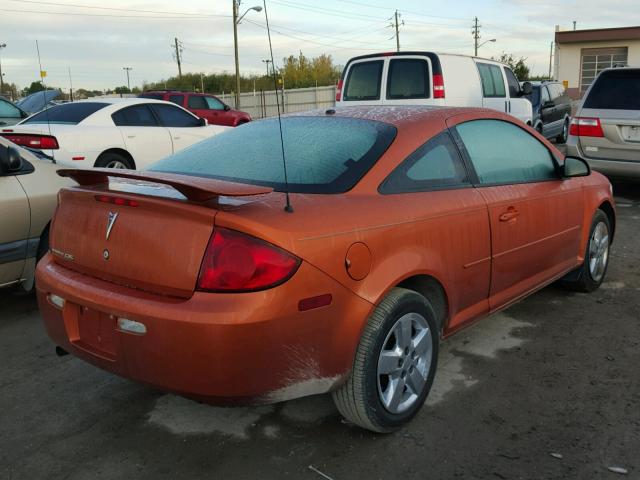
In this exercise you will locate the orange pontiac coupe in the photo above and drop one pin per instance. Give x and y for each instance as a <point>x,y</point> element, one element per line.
<point>407,224</point>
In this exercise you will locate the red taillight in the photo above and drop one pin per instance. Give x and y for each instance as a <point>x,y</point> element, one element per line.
<point>586,127</point>
<point>339,90</point>
<point>43,142</point>
<point>438,86</point>
<point>125,202</point>
<point>236,262</point>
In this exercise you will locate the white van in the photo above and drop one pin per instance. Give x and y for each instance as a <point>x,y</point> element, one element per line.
<point>427,78</point>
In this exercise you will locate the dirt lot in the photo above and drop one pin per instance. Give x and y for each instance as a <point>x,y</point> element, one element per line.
<point>555,374</point>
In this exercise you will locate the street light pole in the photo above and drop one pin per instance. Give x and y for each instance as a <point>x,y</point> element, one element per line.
<point>267,62</point>
<point>236,22</point>
<point>493,40</point>
<point>4,45</point>
<point>127,69</point>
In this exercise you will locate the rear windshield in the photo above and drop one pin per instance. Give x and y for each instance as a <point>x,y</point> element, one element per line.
<point>363,82</point>
<point>67,114</point>
<point>155,96</point>
<point>323,154</point>
<point>615,89</point>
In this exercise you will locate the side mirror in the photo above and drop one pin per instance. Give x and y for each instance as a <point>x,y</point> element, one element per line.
<point>526,89</point>
<point>227,108</point>
<point>10,160</point>
<point>202,122</point>
<point>575,167</point>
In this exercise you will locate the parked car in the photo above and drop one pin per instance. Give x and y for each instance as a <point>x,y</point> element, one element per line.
<point>204,105</point>
<point>38,101</point>
<point>28,197</point>
<point>407,224</point>
<point>606,128</point>
<point>10,114</point>
<point>113,133</point>
<point>427,78</point>
<point>551,110</point>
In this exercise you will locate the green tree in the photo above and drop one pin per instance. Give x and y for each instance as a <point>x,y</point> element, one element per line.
<point>518,66</point>
<point>33,88</point>
<point>121,90</point>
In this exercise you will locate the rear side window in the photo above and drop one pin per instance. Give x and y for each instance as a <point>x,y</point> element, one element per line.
<point>214,103</point>
<point>512,81</point>
<point>408,78</point>
<point>435,165</point>
<point>504,153</point>
<point>177,99</point>
<point>363,82</point>
<point>135,116</point>
<point>171,116</point>
<point>323,154</point>
<point>615,89</point>
<point>196,102</point>
<point>492,81</point>
<point>67,114</point>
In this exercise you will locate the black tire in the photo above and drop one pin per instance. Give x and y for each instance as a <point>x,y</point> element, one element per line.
<point>582,279</point>
<point>562,138</point>
<point>112,159</point>
<point>359,399</point>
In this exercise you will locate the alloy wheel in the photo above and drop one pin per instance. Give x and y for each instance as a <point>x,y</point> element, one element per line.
<point>598,251</point>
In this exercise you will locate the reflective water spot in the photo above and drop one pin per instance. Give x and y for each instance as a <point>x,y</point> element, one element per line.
<point>271,431</point>
<point>309,409</point>
<point>449,376</point>
<point>613,285</point>
<point>186,417</point>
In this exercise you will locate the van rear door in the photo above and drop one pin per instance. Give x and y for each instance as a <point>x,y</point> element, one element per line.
<point>363,82</point>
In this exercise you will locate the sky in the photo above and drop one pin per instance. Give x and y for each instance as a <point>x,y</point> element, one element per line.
<point>96,39</point>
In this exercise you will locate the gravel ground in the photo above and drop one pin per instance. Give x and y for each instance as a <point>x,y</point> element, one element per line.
<point>548,389</point>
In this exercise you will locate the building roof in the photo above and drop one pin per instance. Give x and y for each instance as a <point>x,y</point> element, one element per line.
<point>598,35</point>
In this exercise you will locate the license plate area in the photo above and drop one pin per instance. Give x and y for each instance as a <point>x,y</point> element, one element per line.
<point>93,331</point>
<point>631,133</point>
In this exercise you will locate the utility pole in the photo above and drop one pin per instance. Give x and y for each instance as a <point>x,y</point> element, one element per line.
<point>550,57</point>
<point>235,46</point>
<point>396,23</point>
<point>397,33</point>
<point>267,62</point>
<point>574,24</point>
<point>4,45</point>
<point>70,86</point>
<point>128,69</point>
<point>476,35</point>
<point>201,84</point>
<point>178,58</point>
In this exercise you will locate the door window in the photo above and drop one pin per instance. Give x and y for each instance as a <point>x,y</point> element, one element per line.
<point>435,165</point>
<point>363,82</point>
<point>504,153</point>
<point>177,99</point>
<point>135,116</point>
<point>171,116</point>
<point>492,81</point>
<point>408,78</point>
<point>544,95</point>
<point>8,111</point>
<point>214,103</point>
<point>512,81</point>
<point>196,102</point>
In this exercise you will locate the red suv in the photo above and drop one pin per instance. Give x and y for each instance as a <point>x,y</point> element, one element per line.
<point>206,106</point>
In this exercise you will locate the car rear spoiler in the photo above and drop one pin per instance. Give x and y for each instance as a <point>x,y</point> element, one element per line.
<point>197,189</point>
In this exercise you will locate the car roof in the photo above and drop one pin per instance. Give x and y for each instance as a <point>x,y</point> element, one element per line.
<point>119,101</point>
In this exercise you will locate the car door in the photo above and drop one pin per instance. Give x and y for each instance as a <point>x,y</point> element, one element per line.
<point>14,212</point>
<point>546,111</point>
<point>517,105</point>
<point>219,112</point>
<point>494,92</point>
<point>185,129</point>
<point>536,217</point>
<point>197,104</point>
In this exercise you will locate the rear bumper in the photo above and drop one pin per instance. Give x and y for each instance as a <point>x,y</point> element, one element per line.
<point>220,348</point>
<point>609,167</point>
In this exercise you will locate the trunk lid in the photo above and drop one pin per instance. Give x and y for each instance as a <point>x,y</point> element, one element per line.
<point>145,231</point>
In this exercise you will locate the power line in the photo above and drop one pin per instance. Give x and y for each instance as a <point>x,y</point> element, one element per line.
<point>66,14</point>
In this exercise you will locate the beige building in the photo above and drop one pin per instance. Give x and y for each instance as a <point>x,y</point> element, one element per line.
<point>581,54</point>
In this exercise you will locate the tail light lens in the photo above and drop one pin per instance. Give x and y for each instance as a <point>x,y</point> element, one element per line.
<point>339,90</point>
<point>236,262</point>
<point>41,142</point>
<point>586,127</point>
<point>438,86</point>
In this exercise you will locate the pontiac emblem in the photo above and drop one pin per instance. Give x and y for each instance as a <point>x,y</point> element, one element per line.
<point>110,221</point>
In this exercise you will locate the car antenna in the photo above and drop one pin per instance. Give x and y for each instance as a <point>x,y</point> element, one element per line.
<point>44,98</point>
<point>287,208</point>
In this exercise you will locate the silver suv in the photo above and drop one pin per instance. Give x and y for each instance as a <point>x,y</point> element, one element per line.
<point>606,128</point>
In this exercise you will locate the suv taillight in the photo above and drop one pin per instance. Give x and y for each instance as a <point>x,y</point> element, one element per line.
<point>41,142</point>
<point>438,86</point>
<point>236,262</point>
<point>339,90</point>
<point>586,127</point>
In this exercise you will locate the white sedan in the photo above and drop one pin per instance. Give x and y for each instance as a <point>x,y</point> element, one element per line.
<point>114,133</point>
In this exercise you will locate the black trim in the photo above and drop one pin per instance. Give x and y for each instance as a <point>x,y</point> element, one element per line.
<point>26,169</point>
<point>18,250</point>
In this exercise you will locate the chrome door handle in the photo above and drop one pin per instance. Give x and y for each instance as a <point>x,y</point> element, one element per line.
<point>131,136</point>
<point>510,214</point>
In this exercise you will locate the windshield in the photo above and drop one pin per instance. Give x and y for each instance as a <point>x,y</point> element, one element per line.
<point>67,114</point>
<point>323,154</point>
<point>617,90</point>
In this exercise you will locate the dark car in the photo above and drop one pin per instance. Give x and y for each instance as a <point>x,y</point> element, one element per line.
<point>204,105</point>
<point>551,110</point>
